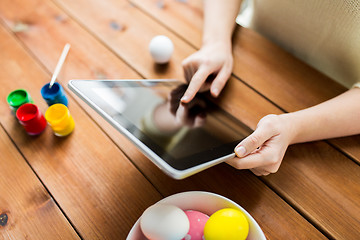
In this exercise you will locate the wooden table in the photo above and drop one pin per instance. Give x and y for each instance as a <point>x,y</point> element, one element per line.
<point>94,184</point>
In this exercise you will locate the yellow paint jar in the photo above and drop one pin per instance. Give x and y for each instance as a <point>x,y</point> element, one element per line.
<point>59,118</point>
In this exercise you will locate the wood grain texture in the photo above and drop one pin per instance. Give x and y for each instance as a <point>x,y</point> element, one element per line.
<point>277,75</point>
<point>248,185</point>
<point>316,210</point>
<point>185,18</point>
<point>97,187</point>
<point>27,210</point>
<point>348,145</point>
<point>170,186</point>
<point>124,25</point>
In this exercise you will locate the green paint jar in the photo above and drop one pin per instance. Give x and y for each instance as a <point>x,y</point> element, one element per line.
<point>17,98</point>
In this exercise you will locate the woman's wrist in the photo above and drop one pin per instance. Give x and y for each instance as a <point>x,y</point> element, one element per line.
<point>218,46</point>
<point>219,20</point>
<point>217,41</point>
<point>289,122</point>
<point>302,126</point>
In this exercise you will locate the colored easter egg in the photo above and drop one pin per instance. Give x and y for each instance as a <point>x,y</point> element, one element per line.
<point>226,224</point>
<point>197,223</point>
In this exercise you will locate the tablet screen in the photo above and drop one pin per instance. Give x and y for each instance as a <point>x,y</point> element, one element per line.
<point>183,135</point>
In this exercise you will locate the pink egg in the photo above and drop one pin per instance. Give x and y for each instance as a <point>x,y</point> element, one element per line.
<point>197,223</point>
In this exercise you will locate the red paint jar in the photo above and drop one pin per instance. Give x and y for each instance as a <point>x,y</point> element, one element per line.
<point>31,118</point>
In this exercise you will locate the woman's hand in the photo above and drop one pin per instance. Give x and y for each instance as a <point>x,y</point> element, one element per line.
<point>214,60</point>
<point>262,151</point>
<point>208,69</point>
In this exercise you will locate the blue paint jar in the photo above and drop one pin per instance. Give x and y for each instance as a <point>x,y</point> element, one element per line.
<point>55,94</point>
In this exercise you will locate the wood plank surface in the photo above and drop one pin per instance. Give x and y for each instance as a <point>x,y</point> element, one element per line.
<point>348,145</point>
<point>56,25</point>
<point>97,187</point>
<point>106,29</point>
<point>316,210</point>
<point>185,18</point>
<point>27,211</point>
<point>119,29</point>
<point>286,219</point>
<point>277,75</point>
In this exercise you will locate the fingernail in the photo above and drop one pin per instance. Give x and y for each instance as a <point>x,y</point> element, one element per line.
<point>215,92</point>
<point>184,98</point>
<point>240,151</point>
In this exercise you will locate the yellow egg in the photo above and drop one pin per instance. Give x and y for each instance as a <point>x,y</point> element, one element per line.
<point>226,224</point>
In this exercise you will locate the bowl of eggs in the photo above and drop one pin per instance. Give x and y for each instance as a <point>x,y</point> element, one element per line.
<point>195,215</point>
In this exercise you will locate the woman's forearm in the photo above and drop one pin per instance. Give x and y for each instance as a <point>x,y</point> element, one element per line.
<point>219,20</point>
<point>336,117</point>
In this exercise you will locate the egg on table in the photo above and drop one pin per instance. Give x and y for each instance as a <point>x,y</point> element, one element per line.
<point>161,49</point>
<point>164,222</point>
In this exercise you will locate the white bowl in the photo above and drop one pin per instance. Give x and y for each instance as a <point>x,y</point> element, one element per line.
<point>204,202</point>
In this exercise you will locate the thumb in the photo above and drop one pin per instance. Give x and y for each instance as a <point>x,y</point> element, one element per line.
<point>253,141</point>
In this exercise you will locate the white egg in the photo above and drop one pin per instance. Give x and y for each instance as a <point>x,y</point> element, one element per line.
<point>161,49</point>
<point>164,222</point>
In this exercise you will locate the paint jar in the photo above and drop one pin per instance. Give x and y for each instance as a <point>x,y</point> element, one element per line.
<point>31,118</point>
<point>60,120</point>
<point>53,95</point>
<point>17,98</point>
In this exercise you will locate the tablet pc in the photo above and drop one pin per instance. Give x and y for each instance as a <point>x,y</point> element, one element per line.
<point>181,139</point>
